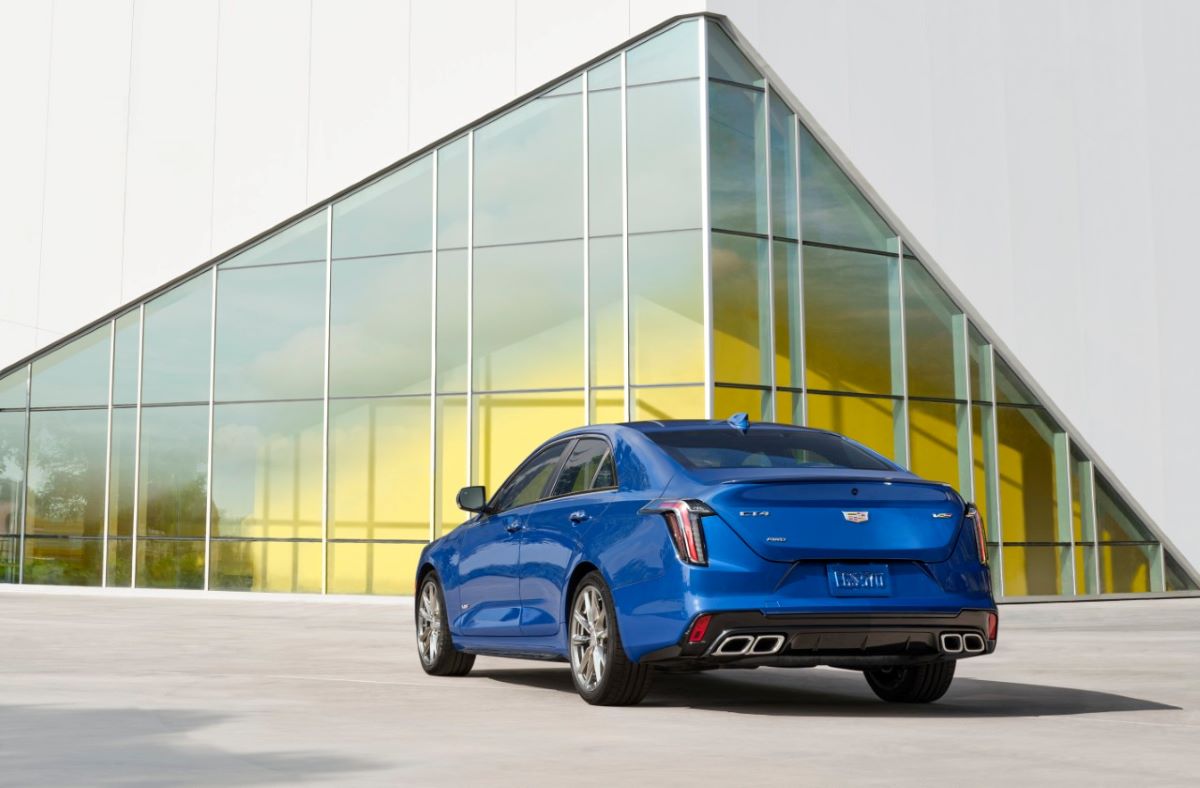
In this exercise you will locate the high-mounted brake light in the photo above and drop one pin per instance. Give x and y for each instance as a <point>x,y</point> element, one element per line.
<point>683,523</point>
<point>974,515</point>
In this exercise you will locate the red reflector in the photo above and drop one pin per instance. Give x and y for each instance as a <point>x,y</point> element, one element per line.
<point>993,623</point>
<point>699,629</point>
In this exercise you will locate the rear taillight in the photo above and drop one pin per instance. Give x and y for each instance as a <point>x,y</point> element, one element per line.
<point>683,523</point>
<point>974,516</point>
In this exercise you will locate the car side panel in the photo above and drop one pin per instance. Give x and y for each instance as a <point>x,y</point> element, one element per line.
<point>550,550</point>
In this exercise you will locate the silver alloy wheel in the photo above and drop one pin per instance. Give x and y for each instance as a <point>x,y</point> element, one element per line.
<point>589,638</point>
<point>429,624</point>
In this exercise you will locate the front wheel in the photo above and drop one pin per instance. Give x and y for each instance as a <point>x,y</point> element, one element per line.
<point>604,675</point>
<point>434,647</point>
<point>913,683</point>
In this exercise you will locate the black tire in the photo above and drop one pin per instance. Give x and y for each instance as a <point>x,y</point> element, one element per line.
<point>912,683</point>
<point>622,682</point>
<point>442,659</point>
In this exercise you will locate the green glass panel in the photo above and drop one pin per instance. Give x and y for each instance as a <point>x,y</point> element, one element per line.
<point>741,291</point>
<point>1009,387</point>
<point>163,563</point>
<point>605,76</point>
<point>390,216</point>
<point>174,459</point>
<point>1028,494</point>
<point>266,470</point>
<point>979,357</point>
<point>380,324</point>
<point>529,173</point>
<point>120,562</point>
<point>1115,520</point>
<point>121,472</point>
<point>303,241</point>
<point>666,305</point>
<point>785,213</point>
<point>737,158</point>
<point>66,473</point>
<point>74,374</point>
<point>604,163</point>
<point>789,326</point>
<point>532,337</point>
<point>63,561</point>
<point>271,332</point>
<point>832,209</point>
<point>605,289</point>
<point>664,157</point>
<point>726,61</point>
<point>13,388</point>
<point>930,320</point>
<point>672,54</point>
<point>12,479</point>
<point>125,359</point>
<point>452,321</point>
<point>452,197</point>
<point>1177,577</point>
<point>572,86</point>
<point>176,346</point>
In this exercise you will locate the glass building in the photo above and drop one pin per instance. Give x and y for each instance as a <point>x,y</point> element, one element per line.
<point>655,236</point>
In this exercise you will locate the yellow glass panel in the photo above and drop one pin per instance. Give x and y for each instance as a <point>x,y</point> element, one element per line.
<point>510,426</point>
<point>756,403</point>
<point>1125,569</point>
<point>379,470</point>
<point>450,461</point>
<point>1079,477</point>
<point>666,308</point>
<point>1027,490</point>
<point>868,420</point>
<point>372,568</point>
<point>265,566</point>
<point>981,425</point>
<point>1032,571</point>
<point>785,265</point>
<point>741,333</point>
<point>1085,580</point>
<point>789,407</point>
<point>607,312</point>
<point>670,402</point>
<point>608,406</point>
<point>933,440</point>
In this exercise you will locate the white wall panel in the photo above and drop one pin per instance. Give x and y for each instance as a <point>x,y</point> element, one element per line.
<point>553,36</point>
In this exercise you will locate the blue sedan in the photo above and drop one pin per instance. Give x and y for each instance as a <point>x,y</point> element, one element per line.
<point>690,545</point>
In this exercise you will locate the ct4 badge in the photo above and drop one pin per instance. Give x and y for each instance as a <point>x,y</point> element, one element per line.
<point>754,514</point>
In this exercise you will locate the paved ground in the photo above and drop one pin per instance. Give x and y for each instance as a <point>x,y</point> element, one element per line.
<point>114,690</point>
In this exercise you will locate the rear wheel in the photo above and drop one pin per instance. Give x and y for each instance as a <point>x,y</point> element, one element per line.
<point>912,683</point>
<point>603,674</point>
<point>437,652</point>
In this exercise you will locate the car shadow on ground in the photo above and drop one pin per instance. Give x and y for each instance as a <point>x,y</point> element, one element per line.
<point>843,693</point>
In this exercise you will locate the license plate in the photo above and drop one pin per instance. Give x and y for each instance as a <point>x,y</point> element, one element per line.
<point>859,580</point>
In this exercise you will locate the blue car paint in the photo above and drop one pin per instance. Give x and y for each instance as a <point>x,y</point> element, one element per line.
<point>507,592</point>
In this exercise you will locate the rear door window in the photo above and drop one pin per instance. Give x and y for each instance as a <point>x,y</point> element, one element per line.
<point>589,467</point>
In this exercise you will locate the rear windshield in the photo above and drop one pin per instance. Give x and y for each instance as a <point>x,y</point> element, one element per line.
<point>764,447</point>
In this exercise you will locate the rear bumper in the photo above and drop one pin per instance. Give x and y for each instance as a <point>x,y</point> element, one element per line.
<point>838,639</point>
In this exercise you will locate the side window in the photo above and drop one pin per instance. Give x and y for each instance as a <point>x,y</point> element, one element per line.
<point>586,468</point>
<point>529,482</point>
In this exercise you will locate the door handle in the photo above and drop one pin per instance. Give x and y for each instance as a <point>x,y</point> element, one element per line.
<point>579,516</point>
<point>514,526</point>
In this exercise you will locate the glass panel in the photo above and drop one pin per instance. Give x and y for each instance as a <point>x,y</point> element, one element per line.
<point>271,333</point>
<point>756,403</point>
<point>1085,570</point>
<point>1115,521</point>
<point>120,495</point>
<point>664,157</point>
<point>869,420</point>
<point>581,468</point>
<point>930,322</point>
<point>1034,571</point>
<point>983,449</point>
<point>604,163</point>
<point>1125,569</point>
<point>737,158</point>
<point>606,75</point>
<point>66,473</point>
<point>529,483</point>
<point>380,325</point>
<point>670,402</point>
<point>12,479</point>
<point>1177,578</point>
<point>366,568</point>
<point>125,359</point>
<point>63,562</point>
<point>75,374</point>
<point>570,87</point>
<point>176,348</point>
<point>933,443</point>
<point>452,321</point>
<point>392,215</point>
<point>979,357</point>
<point>666,308</point>
<point>450,461</point>
<point>452,195</point>
<point>726,61</point>
<point>607,406</point>
<point>672,54</point>
<point>266,566</point>
<point>1027,490</point>
<point>529,174</point>
<point>606,312</point>
<point>785,214</point>
<point>849,344</point>
<point>266,470</point>
<point>1082,521</point>
<point>120,561</point>
<point>832,209</point>
<point>304,241</point>
<point>508,427</point>
<point>171,495</point>
<point>741,291</point>
<point>12,388</point>
<point>379,470</point>
<point>789,407</point>
<point>168,563</point>
<point>1009,387</point>
<point>789,326</point>
<point>529,316</point>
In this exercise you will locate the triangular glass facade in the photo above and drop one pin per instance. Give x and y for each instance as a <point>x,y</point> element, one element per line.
<point>654,236</point>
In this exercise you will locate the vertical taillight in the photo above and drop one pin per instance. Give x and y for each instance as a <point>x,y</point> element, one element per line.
<point>974,516</point>
<point>683,523</point>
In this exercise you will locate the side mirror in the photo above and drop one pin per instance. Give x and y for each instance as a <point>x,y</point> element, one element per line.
<point>472,499</point>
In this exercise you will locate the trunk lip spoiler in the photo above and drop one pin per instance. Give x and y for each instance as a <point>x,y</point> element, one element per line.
<point>837,480</point>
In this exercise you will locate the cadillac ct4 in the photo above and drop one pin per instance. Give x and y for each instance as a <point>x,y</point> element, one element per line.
<point>628,549</point>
